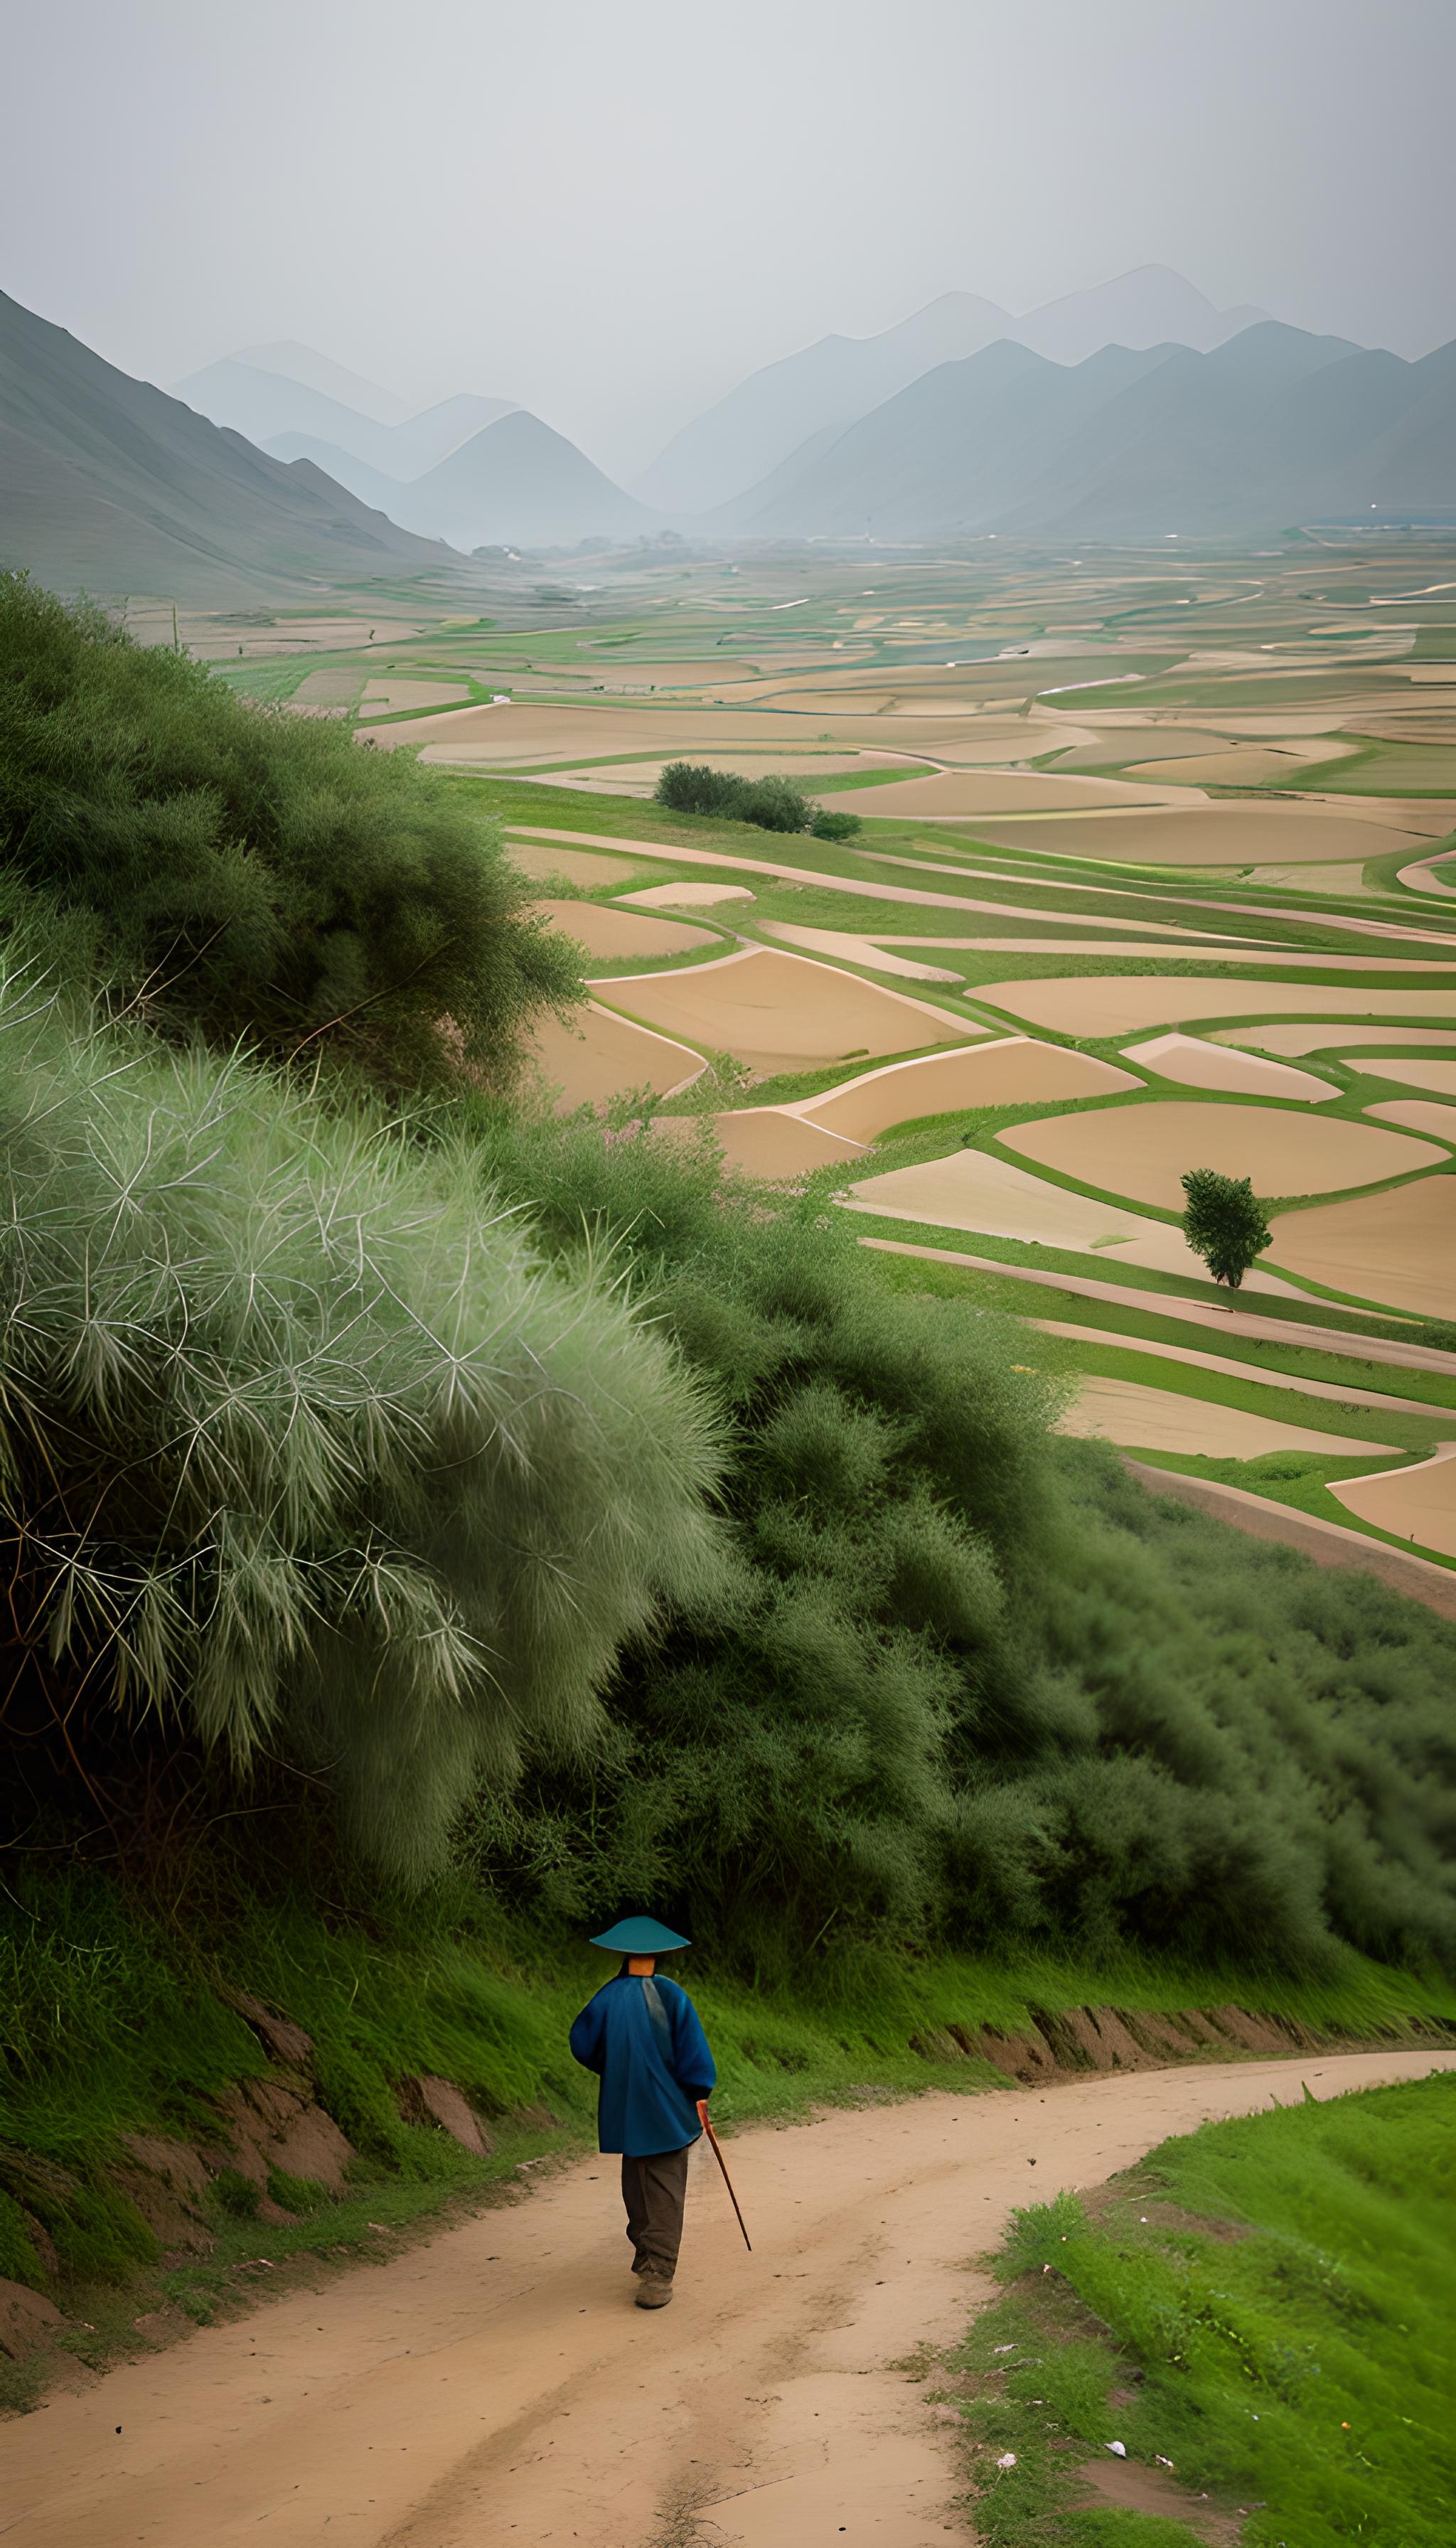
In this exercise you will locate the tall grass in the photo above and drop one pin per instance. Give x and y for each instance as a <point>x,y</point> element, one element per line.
<point>303,1446</point>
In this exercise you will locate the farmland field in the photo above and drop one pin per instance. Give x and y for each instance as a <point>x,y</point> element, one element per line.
<point>1143,883</point>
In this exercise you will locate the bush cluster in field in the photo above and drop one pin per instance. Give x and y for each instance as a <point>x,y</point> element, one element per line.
<point>775,804</point>
<point>1266,2305</point>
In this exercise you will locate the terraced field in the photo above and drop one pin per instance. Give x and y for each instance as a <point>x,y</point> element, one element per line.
<point>1146,880</point>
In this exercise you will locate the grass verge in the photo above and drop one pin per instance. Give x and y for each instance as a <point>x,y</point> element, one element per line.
<point>1259,2314</point>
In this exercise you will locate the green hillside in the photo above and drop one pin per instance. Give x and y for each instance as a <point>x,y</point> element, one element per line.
<point>108,485</point>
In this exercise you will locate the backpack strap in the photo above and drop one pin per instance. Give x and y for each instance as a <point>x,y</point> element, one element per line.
<point>662,2025</point>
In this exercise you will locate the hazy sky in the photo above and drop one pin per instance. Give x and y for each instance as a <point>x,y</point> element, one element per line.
<point>610,209</point>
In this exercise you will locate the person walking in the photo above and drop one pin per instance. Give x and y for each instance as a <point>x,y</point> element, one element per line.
<point>644,2039</point>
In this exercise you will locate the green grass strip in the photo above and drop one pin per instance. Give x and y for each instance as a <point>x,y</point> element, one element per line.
<point>1265,2304</point>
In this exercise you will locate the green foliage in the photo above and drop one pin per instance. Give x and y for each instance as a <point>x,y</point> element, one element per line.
<point>962,1682</point>
<point>1223,1224</point>
<point>253,873</point>
<point>303,1447</point>
<point>300,2194</point>
<point>19,2259</point>
<point>774,804</point>
<point>1270,2298</point>
<point>691,787</point>
<point>235,2195</point>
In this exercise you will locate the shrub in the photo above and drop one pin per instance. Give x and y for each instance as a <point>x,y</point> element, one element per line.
<point>964,1681</point>
<point>691,787</point>
<point>303,1447</point>
<point>251,872</point>
<point>774,804</point>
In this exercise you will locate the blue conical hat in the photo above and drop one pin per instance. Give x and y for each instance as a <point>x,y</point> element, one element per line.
<point>641,1937</point>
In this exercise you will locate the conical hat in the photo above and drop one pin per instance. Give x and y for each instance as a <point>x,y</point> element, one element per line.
<point>641,1937</point>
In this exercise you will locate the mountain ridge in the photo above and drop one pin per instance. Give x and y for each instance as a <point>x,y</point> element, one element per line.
<point>520,481</point>
<point>757,424</point>
<point>1273,427</point>
<point>273,408</point>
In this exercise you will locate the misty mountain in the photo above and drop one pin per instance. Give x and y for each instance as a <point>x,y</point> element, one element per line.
<point>761,423</point>
<point>107,482</point>
<point>406,453</point>
<point>527,486</point>
<point>288,415</point>
<point>1273,428</point>
<point>440,429</point>
<point>517,482</point>
<point>373,487</point>
<point>319,372</point>
<point>1151,306</point>
<point>266,404</point>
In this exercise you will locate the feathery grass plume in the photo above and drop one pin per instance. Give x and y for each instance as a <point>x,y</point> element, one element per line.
<point>304,1447</point>
<point>252,874</point>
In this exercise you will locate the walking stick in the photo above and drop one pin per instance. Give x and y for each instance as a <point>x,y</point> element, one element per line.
<point>702,2117</point>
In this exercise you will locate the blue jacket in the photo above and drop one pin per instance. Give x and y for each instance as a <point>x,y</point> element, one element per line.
<point>652,2065</point>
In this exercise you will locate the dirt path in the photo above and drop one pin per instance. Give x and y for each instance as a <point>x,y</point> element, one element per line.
<point>497,2387</point>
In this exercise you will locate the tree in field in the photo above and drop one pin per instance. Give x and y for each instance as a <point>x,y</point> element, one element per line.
<point>1223,1224</point>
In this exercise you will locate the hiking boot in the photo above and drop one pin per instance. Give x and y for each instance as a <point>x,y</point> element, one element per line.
<point>654,2291</point>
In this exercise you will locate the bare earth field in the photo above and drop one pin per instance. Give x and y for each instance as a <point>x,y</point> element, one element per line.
<point>765,1141</point>
<point>1418,1115</point>
<point>964,792</point>
<point>1438,1077</point>
<point>1399,1247</point>
<point>605,930</point>
<point>1191,1063</point>
<point>1159,1419</point>
<point>1015,1070</point>
<point>588,1061</point>
<point>1209,836</point>
<point>1368,1042</point>
<point>774,1011</point>
<point>1418,1504</point>
<point>1142,1151</point>
<point>545,861</point>
<point>1118,1004</point>
<point>690,894</point>
<point>843,948</point>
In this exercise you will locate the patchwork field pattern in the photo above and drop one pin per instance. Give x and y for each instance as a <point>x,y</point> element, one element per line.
<point>1147,878</point>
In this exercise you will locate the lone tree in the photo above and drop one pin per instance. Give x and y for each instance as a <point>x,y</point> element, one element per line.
<point>1223,1224</point>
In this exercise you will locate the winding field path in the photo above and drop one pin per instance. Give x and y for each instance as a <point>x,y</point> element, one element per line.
<point>495,2386</point>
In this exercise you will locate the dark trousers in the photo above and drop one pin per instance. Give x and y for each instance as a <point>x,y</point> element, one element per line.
<point>654,2190</point>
